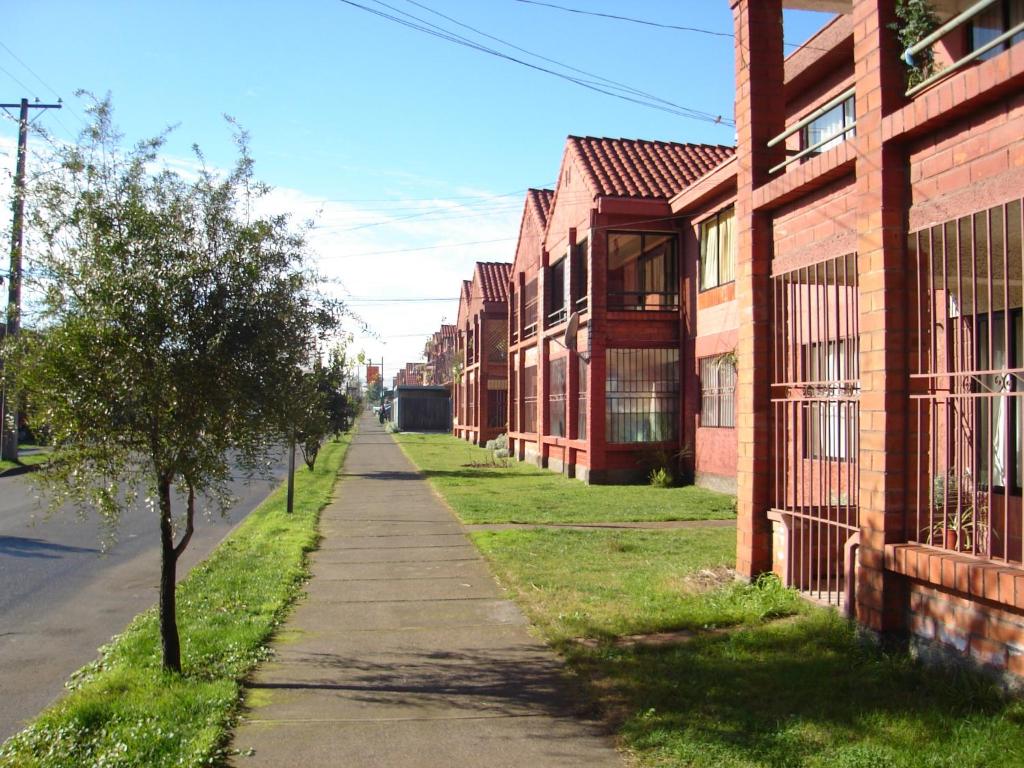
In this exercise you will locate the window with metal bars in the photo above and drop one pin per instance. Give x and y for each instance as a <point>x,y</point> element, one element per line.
<point>967,422</point>
<point>497,403</point>
<point>641,395</point>
<point>530,309</point>
<point>556,397</point>
<point>581,400</point>
<point>556,309</point>
<point>580,265</point>
<point>529,413</point>
<point>717,389</point>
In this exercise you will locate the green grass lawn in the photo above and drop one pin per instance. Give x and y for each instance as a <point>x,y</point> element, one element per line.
<point>604,584</point>
<point>523,493</point>
<point>26,460</point>
<point>746,688</point>
<point>124,710</point>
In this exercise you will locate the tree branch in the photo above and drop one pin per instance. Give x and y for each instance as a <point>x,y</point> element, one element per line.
<point>190,516</point>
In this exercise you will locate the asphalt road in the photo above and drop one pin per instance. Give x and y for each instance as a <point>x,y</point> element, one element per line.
<point>61,597</point>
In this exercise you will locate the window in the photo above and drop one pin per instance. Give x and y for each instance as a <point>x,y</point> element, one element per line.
<point>642,395</point>
<point>642,273</point>
<point>471,399</point>
<point>717,385</point>
<point>718,249</point>
<point>581,400</point>
<point>529,420</point>
<point>998,446</point>
<point>556,398</point>
<point>513,396</point>
<point>513,325</point>
<point>829,420</point>
<point>830,129</point>
<point>497,403</point>
<point>580,260</point>
<point>994,21</point>
<point>530,309</point>
<point>556,293</point>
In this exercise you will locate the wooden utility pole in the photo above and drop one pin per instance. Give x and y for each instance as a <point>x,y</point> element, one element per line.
<point>8,405</point>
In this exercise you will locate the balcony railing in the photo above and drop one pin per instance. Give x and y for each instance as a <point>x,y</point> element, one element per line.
<point>949,26</point>
<point>643,301</point>
<point>557,316</point>
<point>803,123</point>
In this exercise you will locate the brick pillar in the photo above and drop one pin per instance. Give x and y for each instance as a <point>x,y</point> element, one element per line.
<point>881,249</point>
<point>759,117</point>
<point>597,369</point>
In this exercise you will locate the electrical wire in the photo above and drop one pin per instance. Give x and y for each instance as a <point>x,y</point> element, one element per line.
<point>422,248</point>
<point>452,37</point>
<point>645,22</point>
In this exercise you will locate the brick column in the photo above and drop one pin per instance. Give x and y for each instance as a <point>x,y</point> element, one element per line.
<point>881,249</point>
<point>759,116</point>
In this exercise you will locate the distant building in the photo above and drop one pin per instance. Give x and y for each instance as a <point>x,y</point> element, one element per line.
<point>480,380</point>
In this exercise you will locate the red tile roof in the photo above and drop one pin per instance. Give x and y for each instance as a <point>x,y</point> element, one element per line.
<point>539,201</point>
<point>647,169</point>
<point>493,279</point>
<point>447,330</point>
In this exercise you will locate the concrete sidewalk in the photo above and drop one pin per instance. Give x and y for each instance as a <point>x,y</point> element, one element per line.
<point>405,653</point>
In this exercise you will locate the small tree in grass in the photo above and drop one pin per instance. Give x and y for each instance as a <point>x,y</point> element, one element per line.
<point>173,323</point>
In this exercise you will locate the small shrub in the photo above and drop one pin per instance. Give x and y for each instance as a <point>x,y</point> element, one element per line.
<point>660,478</point>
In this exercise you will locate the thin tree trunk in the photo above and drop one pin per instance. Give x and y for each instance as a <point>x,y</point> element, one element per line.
<point>168,572</point>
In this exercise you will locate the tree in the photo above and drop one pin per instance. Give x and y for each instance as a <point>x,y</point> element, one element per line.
<point>325,408</point>
<point>174,319</point>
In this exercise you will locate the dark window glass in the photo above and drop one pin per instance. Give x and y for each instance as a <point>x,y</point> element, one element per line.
<point>642,395</point>
<point>642,272</point>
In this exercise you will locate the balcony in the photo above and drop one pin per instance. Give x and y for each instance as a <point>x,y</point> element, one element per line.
<point>991,27</point>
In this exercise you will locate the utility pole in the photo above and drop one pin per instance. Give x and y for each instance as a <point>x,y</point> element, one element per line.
<point>8,406</point>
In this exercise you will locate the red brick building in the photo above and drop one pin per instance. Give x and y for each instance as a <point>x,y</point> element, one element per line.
<point>410,376</point>
<point>440,356</point>
<point>480,384</point>
<point>879,294</point>
<point>606,249</point>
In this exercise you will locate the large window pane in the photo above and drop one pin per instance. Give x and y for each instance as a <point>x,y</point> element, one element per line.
<point>581,408</point>
<point>642,395</point>
<point>642,273</point>
<point>717,250</point>
<point>717,386</point>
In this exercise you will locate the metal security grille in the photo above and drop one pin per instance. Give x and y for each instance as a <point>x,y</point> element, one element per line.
<point>496,341</point>
<point>581,400</point>
<point>815,395</point>
<point>717,391</point>
<point>968,420</point>
<point>530,309</point>
<point>471,399</point>
<point>556,398</point>
<point>529,414</point>
<point>642,395</point>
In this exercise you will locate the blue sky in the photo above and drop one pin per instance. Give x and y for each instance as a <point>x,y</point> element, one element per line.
<point>391,139</point>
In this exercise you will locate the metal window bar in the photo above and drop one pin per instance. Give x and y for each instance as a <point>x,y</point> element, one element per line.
<point>717,392</point>
<point>556,398</point>
<point>530,309</point>
<point>643,300</point>
<point>641,395</point>
<point>964,60</point>
<point>815,394</point>
<point>804,122</point>
<point>967,385</point>
<point>529,414</point>
<point>581,400</point>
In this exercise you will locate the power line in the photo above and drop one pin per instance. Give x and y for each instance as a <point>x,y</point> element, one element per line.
<point>423,248</point>
<point>435,214</point>
<point>452,37</point>
<point>571,68</point>
<point>645,22</point>
<point>50,88</point>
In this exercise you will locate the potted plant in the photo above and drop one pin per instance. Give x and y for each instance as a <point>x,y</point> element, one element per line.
<point>959,515</point>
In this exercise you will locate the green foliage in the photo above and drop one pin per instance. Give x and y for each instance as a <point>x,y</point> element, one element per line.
<point>482,490</point>
<point>124,710</point>
<point>917,20</point>
<point>660,478</point>
<point>174,322</point>
<point>321,404</point>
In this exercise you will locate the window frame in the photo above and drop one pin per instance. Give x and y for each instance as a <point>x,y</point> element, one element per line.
<point>847,129</point>
<point>670,275</point>
<point>715,396</point>
<point>703,225</point>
